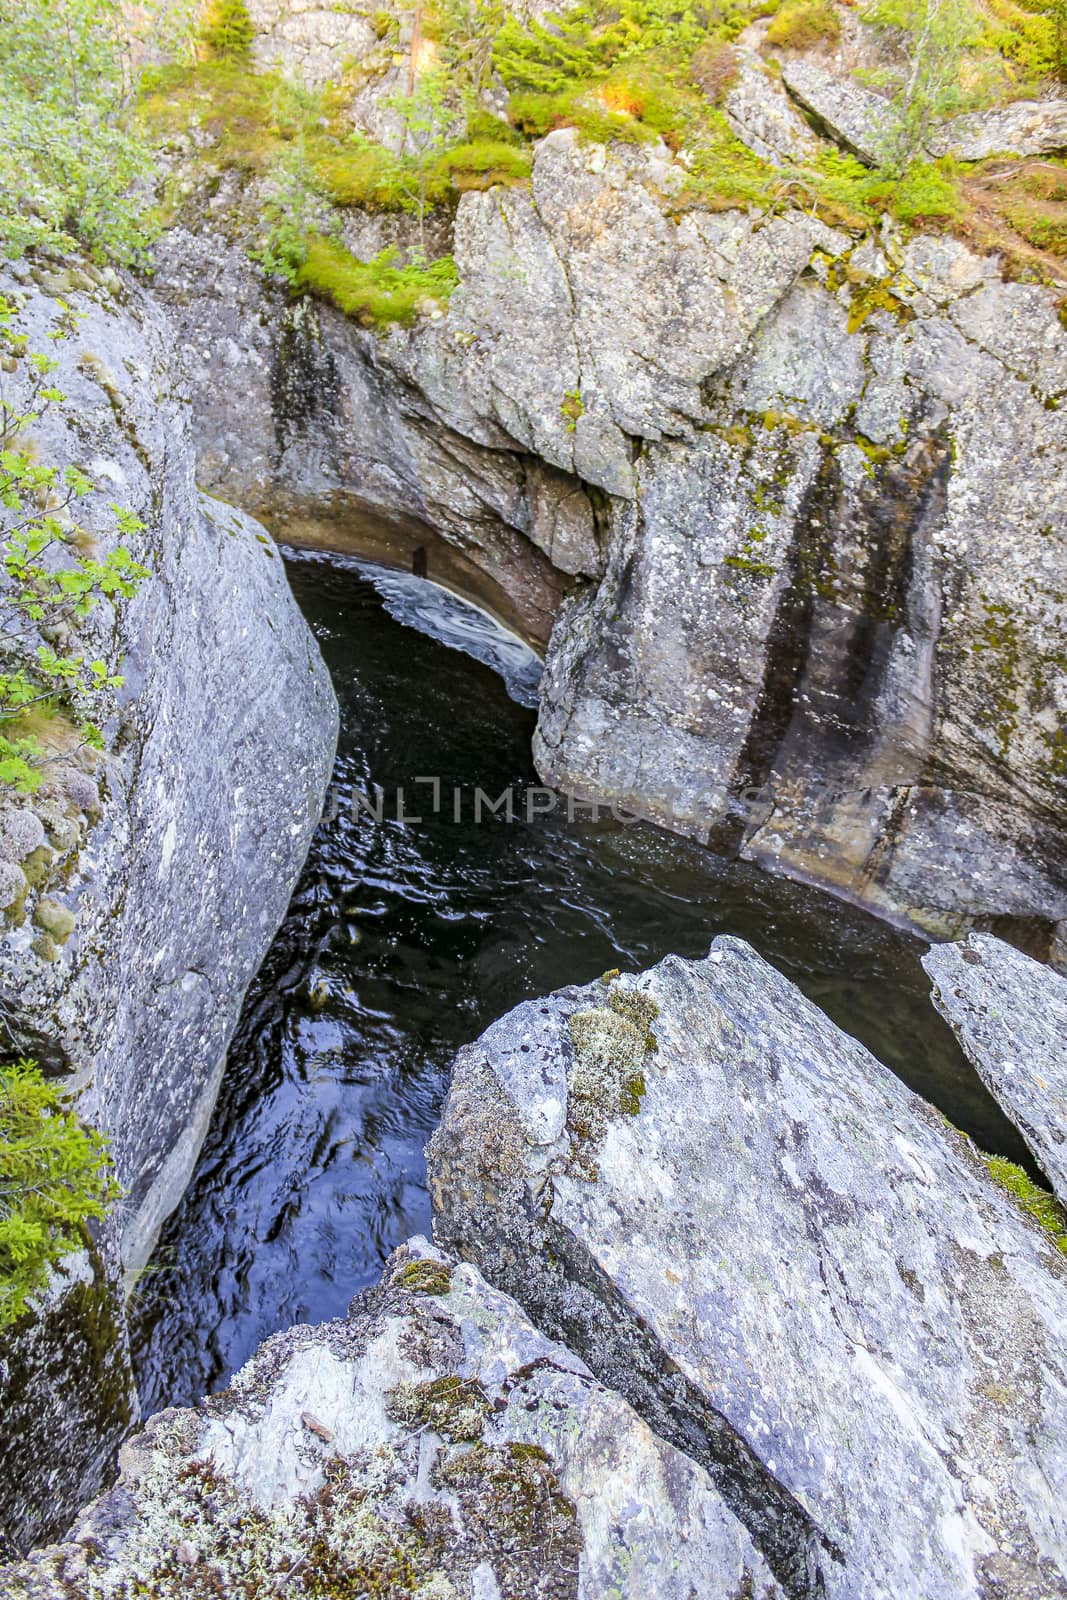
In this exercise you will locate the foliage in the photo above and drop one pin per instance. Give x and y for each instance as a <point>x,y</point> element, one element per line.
<point>253,115</point>
<point>925,191</point>
<point>54,1176</point>
<point>936,38</point>
<point>484,162</point>
<point>376,292</point>
<point>714,68</point>
<point>294,210</point>
<point>227,28</point>
<point>802,24</point>
<point>723,172</point>
<point>53,578</point>
<point>424,138</point>
<point>616,70</point>
<point>1030,36</point>
<point>572,407</point>
<point>71,167</point>
<point>1037,1203</point>
<point>578,48</point>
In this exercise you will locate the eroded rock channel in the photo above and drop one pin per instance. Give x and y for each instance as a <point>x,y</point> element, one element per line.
<point>405,940</point>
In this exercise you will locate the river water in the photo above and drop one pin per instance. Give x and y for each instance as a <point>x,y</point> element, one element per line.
<point>405,938</point>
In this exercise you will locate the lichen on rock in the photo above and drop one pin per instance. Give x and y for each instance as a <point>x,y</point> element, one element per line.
<point>334,1467</point>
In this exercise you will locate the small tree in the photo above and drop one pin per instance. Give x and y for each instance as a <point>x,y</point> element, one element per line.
<point>54,1175</point>
<point>934,35</point>
<point>426,128</point>
<point>227,28</point>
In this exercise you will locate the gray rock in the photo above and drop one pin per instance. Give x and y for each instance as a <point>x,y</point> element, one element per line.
<point>67,1395</point>
<point>1010,1015</point>
<point>434,1442</point>
<point>764,118</point>
<point>21,832</point>
<point>791,1267</point>
<point>307,42</point>
<point>860,121</point>
<point>12,883</point>
<point>756,487</point>
<point>1024,128</point>
<point>217,753</point>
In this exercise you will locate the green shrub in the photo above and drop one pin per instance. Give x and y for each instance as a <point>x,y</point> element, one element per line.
<point>53,579</point>
<point>538,114</point>
<point>54,1176</point>
<point>227,28</point>
<point>70,164</point>
<point>803,24</point>
<point>376,292</point>
<point>483,163</point>
<point>925,193</point>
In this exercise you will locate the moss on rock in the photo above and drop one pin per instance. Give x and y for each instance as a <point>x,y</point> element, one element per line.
<point>607,1077</point>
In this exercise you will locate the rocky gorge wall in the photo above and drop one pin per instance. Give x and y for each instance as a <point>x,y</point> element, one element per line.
<point>144,884</point>
<point>722,1310</point>
<point>794,552</point>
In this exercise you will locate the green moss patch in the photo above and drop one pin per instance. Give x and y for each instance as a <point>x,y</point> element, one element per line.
<point>1036,1202</point>
<point>376,292</point>
<point>424,1277</point>
<point>612,1045</point>
<point>453,1406</point>
<point>803,24</point>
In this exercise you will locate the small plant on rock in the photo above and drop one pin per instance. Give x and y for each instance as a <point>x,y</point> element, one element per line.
<point>54,1176</point>
<point>52,577</point>
<point>572,407</point>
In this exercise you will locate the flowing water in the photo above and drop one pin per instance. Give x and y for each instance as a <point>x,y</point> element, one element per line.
<point>405,938</point>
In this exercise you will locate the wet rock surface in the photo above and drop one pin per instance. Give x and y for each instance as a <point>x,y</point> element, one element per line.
<point>434,1445</point>
<point>790,1266</point>
<point>1010,1015</point>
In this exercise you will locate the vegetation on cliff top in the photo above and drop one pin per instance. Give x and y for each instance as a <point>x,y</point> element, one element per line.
<point>81,109</point>
<point>632,71</point>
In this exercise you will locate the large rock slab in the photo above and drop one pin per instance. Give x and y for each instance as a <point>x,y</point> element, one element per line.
<point>1026,128</point>
<point>860,121</point>
<point>764,118</point>
<point>433,1446</point>
<point>786,1261</point>
<point>827,635</point>
<point>1009,1013</point>
<point>163,868</point>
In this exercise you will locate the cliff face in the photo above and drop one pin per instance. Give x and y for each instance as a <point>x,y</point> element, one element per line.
<point>197,816</point>
<point>782,503</point>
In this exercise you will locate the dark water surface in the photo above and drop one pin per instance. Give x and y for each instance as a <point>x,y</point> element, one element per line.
<point>404,940</point>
